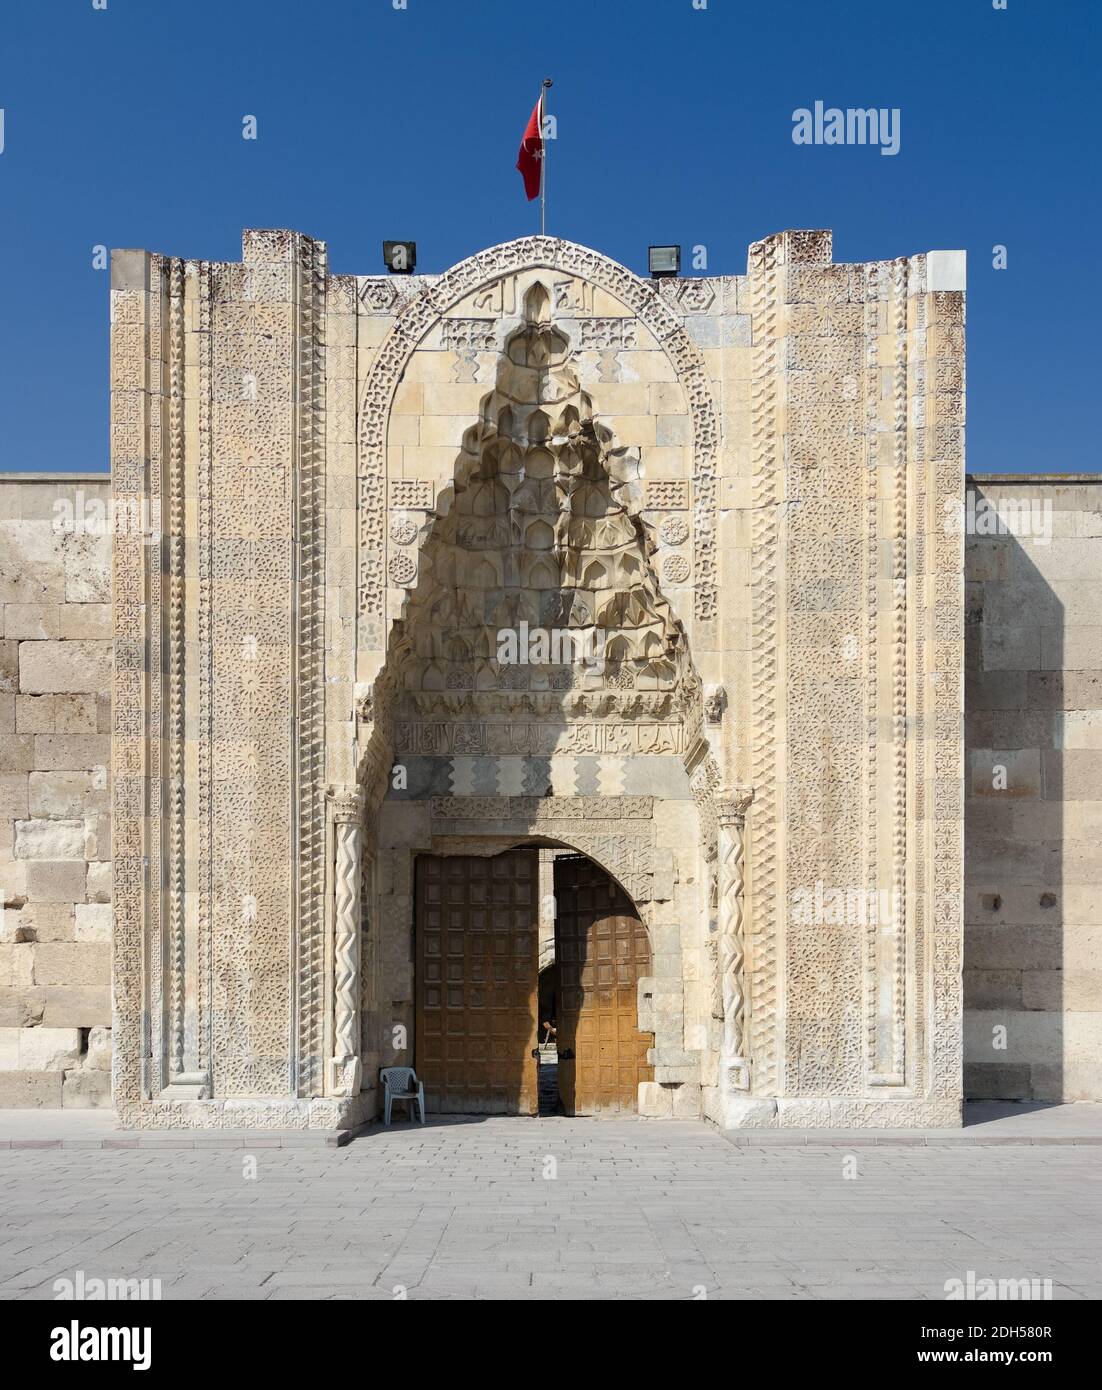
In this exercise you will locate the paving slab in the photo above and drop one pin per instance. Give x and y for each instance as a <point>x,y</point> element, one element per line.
<point>628,1210</point>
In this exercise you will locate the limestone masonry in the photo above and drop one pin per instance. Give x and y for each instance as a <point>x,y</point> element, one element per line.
<point>55,757</point>
<point>1033,849</point>
<point>536,555</point>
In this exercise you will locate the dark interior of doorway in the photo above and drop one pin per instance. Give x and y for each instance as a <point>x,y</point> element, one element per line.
<point>553,1080</point>
<point>550,1102</point>
<point>549,1099</point>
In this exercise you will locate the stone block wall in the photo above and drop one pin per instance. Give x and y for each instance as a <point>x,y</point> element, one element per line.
<point>55,829</point>
<point>1033,818</point>
<point>1033,724</point>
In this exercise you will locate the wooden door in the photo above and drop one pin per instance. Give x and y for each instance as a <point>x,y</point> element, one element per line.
<point>602,950</point>
<point>476,961</point>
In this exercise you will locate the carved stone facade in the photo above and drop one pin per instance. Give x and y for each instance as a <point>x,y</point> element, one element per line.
<point>724,496</point>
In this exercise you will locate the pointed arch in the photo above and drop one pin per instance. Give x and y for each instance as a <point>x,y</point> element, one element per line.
<point>439,296</point>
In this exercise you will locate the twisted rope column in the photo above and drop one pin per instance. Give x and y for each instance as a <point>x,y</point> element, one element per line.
<point>734,1058</point>
<point>346,815</point>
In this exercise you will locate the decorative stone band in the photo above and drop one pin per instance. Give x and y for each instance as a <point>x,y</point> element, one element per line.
<point>734,1061</point>
<point>542,808</point>
<point>616,832</point>
<point>176,960</point>
<point>531,739</point>
<point>346,815</point>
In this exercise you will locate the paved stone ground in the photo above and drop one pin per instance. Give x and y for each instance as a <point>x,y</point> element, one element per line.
<point>626,1209</point>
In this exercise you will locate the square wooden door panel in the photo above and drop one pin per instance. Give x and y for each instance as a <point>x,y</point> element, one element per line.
<point>475,960</point>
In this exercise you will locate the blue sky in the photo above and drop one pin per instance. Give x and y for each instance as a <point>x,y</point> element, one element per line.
<point>123,128</point>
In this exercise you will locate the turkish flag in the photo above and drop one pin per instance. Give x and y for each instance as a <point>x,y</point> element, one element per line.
<point>530,157</point>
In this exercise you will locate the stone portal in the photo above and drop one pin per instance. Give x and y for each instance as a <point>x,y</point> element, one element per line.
<point>538,553</point>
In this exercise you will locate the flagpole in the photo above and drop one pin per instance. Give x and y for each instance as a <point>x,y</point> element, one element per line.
<point>543,156</point>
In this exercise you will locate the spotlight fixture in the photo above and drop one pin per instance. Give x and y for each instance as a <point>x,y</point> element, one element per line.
<point>400,257</point>
<point>664,260</point>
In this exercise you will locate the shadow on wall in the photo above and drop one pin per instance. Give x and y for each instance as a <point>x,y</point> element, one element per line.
<point>1033,608</point>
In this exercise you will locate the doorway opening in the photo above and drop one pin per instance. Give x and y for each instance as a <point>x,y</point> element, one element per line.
<point>527,973</point>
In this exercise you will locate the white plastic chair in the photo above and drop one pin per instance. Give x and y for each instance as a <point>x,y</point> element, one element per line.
<point>400,1083</point>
